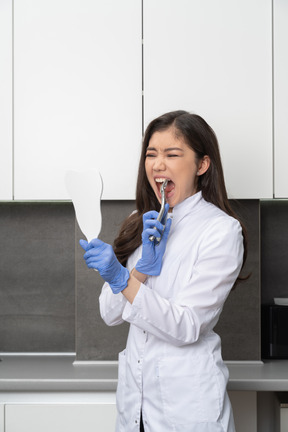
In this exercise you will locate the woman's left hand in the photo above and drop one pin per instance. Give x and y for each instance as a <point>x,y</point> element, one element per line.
<point>100,256</point>
<point>152,253</point>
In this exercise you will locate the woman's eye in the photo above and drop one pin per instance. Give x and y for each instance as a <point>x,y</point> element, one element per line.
<point>173,155</point>
<point>149,155</point>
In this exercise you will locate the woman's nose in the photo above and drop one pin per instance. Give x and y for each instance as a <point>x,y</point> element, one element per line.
<point>159,164</point>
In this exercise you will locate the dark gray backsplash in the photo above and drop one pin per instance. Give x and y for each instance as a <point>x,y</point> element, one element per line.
<point>41,263</point>
<point>94,339</point>
<point>239,324</point>
<point>37,277</point>
<point>274,249</point>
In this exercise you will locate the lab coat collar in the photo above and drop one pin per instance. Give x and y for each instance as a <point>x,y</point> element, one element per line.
<point>189,205</point>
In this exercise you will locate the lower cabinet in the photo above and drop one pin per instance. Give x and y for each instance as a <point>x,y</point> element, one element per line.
<point>244,404</point>
<point>284,419</point>
<point>1,418</point>
<point>59,417</point>
<point>94,417</point>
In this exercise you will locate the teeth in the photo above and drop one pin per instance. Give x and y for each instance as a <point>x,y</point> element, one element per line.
<point>160,180</point>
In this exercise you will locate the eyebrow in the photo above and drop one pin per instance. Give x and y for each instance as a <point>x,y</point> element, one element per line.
<point>167,149</point>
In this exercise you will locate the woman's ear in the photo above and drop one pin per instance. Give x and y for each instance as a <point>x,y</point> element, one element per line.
<point>204,165</point>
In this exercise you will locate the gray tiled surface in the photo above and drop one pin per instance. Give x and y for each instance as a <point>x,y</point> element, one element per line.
<point>274,249</point>
<point>37,279</point>
<point>94,339</point>
<point>37,284</point>
<point>239,324</point>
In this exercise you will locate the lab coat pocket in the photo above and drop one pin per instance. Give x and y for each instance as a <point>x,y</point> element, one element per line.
<point>190,389</point>
<point>120,394</point>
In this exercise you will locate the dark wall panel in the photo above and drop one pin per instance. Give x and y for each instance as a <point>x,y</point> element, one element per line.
<point>37,283</point>
<point>274,249</point>
<point>41,263</point>
<point>239,325</point>
<point>95,340</point>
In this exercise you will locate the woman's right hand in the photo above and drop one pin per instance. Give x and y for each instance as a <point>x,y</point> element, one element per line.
<point>152,253</point>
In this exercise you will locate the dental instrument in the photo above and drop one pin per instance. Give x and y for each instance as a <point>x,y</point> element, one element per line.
<point>161,212</point>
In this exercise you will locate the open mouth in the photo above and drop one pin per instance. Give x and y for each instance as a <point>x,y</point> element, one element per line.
<point>170,185</point>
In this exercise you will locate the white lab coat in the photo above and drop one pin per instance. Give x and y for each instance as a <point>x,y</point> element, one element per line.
<point>172,367</point>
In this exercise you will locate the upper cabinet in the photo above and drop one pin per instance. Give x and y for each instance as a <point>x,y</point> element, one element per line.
<point>6,146</point>
<point>214,58</point>
<point>281,97</point>
<point>71,95</point>
<point>77,94</point>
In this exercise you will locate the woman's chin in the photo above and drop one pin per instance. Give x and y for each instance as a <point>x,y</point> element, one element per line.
<point>171,203</point>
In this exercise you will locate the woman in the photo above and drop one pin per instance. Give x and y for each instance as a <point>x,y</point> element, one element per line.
<point>171,374</point>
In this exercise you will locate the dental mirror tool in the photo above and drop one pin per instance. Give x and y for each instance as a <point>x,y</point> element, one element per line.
<point>85,190</point>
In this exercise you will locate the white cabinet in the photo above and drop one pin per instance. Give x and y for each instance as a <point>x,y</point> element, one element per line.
<point>1,417</point>
<point>214,58</point>
<point>244,405</point>
<point>77,94</point>
<point>281,97</point>
<point>71,95</point>
<point>101,417</point>
<point>60,418</point>
<point>284,419</point>
<point>6,147</point>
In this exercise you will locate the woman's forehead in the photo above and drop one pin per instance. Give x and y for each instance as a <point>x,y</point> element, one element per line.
<point>167,139</point>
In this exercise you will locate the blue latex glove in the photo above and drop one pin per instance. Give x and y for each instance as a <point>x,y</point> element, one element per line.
<point>100,256</point>
<point>152,253</point>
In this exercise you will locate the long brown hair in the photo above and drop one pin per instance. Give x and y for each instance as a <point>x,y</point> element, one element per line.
<point>200,137</point>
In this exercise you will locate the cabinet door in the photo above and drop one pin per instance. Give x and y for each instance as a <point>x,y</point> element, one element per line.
<point>244,405</point>
<point>281,97</point>
<point>1,418</point>
<point>78,94</point>
<point>60,418</point>
<point>214,58</point>
<point>284,419</point>
<point>6,100</point>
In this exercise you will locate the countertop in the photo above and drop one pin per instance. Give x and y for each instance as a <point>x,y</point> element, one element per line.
<point>55,373</point>
<point>29,373</point>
